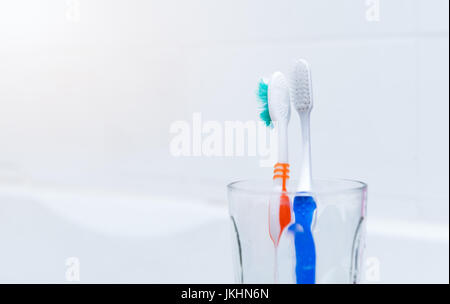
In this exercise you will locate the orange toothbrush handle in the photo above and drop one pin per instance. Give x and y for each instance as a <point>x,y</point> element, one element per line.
<point>285,212</point>
<point>281,171</point>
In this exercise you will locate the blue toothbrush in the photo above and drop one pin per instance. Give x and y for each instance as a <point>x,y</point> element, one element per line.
<point>304,205</point>
<point>305,249</point>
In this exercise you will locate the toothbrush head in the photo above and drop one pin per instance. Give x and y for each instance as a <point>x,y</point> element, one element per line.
<point>263,99</point>
<point>279,99</point>
<point>301,87</point>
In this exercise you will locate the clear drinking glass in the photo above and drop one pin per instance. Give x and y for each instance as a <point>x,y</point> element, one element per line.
<point>338,230</point>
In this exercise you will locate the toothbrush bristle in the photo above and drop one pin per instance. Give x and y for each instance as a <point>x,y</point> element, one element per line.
<point>279,100</point>
<point>301,92</point>
<point>263,98</point>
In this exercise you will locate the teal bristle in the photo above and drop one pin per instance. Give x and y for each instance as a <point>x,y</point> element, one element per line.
<point>263,99</point>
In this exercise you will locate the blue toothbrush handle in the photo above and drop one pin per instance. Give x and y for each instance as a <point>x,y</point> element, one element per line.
<point>305,268</point>
<point>305,250</point>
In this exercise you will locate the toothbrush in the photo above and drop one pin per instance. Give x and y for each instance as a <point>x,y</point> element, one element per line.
<point>275,112</point>
<point>304,205</point>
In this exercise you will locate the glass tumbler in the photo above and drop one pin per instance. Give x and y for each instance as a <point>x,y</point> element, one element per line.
<point>338,232</point>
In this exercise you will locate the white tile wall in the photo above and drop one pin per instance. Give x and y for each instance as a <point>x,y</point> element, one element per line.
<point>90,101</point>
<point>89,89</point>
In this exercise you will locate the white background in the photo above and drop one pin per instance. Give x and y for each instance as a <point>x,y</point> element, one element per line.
<point>89,89</point>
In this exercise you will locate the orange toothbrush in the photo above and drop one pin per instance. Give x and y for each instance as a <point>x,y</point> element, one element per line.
<point>276,111</point>
<point>283,208</point>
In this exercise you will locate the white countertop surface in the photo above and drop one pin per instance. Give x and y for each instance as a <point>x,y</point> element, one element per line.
<point>122,237</point>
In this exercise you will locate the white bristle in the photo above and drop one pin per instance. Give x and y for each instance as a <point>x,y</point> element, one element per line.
<point>301,89</point>
<point>279,104</point>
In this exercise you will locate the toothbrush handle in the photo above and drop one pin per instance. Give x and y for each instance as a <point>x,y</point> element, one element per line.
<point>281,175</point>
<point>279,205</point>
<point>305,178</point>
<point>304,207</point>
<point>282,133</point>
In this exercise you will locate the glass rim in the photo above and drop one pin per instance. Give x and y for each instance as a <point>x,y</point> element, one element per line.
<point>353,186</point>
